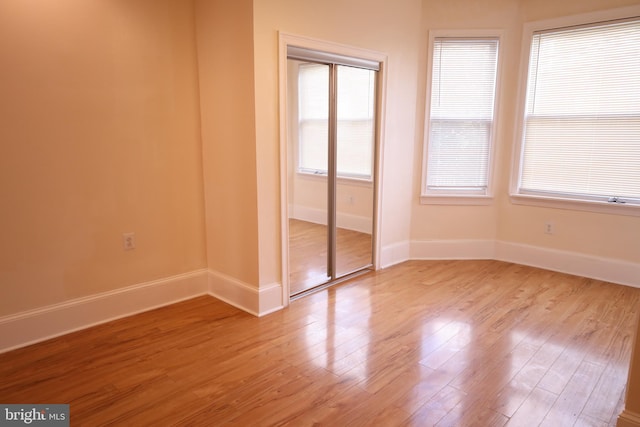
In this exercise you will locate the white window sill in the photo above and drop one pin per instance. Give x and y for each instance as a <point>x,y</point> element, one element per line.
<point>456,200</point>
<point>341,180</point>
<point>574,204</point>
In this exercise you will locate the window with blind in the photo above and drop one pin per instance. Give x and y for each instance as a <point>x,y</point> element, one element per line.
<point>581,126</point>
<point>461,116</point>
<point>355,112</point>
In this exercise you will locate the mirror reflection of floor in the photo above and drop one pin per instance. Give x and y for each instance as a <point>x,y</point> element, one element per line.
<point>308,253</point>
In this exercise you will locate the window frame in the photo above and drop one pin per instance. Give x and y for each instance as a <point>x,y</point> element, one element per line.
<point>461,197</point>
<point>552,200</point>
<point>321,173</point>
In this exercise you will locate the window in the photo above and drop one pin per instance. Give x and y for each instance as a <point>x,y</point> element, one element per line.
<point>313,118</point>
<point>355,120</point>
<point>459,129</point>
<point>581,123</point>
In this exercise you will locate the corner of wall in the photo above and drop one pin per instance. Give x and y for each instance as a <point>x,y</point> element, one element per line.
<point>244,296</point>
<point>395,253</point>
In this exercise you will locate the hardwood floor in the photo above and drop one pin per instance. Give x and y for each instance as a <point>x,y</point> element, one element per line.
<point>308,253</point>
<point>446,343</point>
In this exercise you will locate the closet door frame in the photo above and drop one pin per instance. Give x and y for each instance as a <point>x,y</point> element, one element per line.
<point>333,50</point>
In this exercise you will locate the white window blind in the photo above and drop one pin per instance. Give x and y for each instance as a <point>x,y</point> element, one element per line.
<point>463,86</point>
<point>355,120</point>
<point>356,125</point>
<point>581,136</point>
<point>313,118</point>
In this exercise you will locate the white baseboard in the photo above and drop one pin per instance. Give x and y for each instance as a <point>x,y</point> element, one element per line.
<point>395,253</point>
<point>30,327</point>
<point>357,223</point>
<point>607,269</point>
<point>270,299</point>
<point>628,419</point>
<point>258,302</point>
<point>452,249</point>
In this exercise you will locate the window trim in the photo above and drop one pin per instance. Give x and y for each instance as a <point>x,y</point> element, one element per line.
<point>551,201</point>
<point>461,197</point>
<point>340,179</point>
<point>316,173</point>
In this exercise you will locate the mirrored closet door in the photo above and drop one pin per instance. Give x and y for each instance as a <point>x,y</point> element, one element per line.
<point>331,167</point>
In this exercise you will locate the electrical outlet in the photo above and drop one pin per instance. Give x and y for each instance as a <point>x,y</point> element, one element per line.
<point>549,227</point>
<point>128,241</point>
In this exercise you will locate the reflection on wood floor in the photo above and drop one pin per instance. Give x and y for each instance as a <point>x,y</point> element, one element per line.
<point>445,343</point>
<point>308,253</point>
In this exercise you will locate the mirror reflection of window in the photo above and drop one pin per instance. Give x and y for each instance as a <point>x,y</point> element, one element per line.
<point>355,120</point>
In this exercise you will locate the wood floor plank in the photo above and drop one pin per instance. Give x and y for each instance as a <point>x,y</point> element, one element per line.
<point>527,378</point>
<point>422,343</point>
<point>308,253</point>
<point>570,403</point>
<point>606,394</point>
<point>534,409</point>
<point>438,407</point>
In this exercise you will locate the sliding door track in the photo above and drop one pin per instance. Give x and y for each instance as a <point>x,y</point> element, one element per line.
<point>326,285</point>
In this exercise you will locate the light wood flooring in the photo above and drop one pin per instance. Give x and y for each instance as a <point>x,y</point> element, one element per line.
<point>308,253</point>
<point>445,343</point>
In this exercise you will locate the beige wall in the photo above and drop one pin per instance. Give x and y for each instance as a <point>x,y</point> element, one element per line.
<point>533,10</point>
<point>99,135</point>
<point>226,66</point>
<point>105,103</point>
<point>603,235</point>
